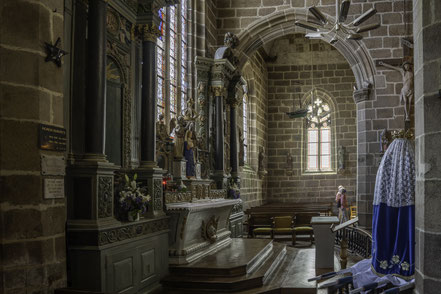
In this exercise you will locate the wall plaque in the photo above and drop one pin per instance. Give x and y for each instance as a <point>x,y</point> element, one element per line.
<point>52,138</point>
<point>53,188</point>
<point>52,165</point>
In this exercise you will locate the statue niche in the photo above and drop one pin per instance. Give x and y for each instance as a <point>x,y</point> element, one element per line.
<point>114,97</point>
<point>189,154</point>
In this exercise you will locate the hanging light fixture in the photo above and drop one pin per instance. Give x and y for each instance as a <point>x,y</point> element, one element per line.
<point>321,26</point>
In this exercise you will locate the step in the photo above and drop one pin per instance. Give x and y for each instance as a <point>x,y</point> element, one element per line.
<point>242,256</point>
<point>203,284</point>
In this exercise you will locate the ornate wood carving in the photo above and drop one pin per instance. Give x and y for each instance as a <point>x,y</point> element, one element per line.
<point>131,231</point>
<point>209,229</point>
<point>157,194</point>
<point>105,196</point>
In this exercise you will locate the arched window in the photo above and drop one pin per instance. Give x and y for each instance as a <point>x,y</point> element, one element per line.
<point>319,135</point>
<point>172,55</point>
<point>245,127</point>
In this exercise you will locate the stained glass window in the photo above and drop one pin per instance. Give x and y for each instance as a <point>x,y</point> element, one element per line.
<point>172,59</point>
<point>318,122</point>
<point>160,60</point>
<point>184,84</point>
<point>245,128</point>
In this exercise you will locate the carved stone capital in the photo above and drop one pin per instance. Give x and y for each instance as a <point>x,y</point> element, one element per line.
<point>361,95</point>
<point>234,101</point>
<point>148,32</point>
<point>218,90</point>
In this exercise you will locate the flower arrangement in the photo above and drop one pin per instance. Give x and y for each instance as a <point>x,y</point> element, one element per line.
<point>234,191</point>
<point>133,199</point>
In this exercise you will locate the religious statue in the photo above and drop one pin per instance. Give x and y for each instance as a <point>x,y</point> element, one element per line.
<point>189,145</point>
<point>180,131</point>
<point>161,129</point>
<point>231,40</point>
<point>261,166</point>
<point>241,148</point>
<point>407,93</point>
<point>341,158</point>
<point>289,161</point>
<point>190,113</point>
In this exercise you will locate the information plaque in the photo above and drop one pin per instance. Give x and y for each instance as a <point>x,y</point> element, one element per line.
<point>53,188</point>
<point>52,138</point>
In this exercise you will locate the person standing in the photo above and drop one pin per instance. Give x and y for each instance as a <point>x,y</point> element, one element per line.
<point>342,203</point>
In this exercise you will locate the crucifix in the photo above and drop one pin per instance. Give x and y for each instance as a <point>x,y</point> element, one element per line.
<point>407,92</point>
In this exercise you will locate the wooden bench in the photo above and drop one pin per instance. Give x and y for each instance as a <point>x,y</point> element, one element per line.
<point>260,218</point>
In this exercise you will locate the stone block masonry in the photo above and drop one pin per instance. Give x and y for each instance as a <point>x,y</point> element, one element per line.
<point>427,38</point>
<point>290,78</point>
<point>32,229</point>
<point>254,188</point>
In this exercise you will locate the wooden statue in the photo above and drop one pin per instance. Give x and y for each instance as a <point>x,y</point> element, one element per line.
<point>407,92</point>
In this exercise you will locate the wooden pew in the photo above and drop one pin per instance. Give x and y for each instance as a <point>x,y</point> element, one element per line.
<point>261,216</point>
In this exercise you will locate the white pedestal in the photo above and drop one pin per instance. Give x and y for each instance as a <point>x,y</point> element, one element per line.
<point>324,241</point>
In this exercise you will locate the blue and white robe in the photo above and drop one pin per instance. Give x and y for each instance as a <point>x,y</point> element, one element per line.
<point>393,224</point>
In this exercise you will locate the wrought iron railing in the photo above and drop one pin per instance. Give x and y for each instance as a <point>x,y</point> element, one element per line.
<point>358,241</point>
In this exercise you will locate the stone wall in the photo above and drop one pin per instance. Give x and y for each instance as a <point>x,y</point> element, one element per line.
<point>211,27</point>
<point>258,22</point>
<point>427,28</point>
<point>289,80</point>
<point>32,252</point>
<point>253,188</point>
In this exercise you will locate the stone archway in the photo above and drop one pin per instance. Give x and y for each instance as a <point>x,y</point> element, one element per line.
<point>281,23</point>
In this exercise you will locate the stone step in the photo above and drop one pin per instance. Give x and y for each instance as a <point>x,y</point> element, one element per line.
<point>242,256</point>
<point>257,277</point>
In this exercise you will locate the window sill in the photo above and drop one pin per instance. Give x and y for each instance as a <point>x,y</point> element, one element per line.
<point>312,173</point>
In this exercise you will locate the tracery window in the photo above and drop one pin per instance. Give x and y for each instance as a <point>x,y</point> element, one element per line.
<point>172,60</point>
<point>160,60</point>
<point>245,127</point>
<point>184,84</point>
<point>319,135</point>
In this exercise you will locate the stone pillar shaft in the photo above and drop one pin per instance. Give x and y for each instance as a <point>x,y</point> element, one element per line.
<point>219,164</point>
<point>96,78</point>
<point>234,160</point>
<point>148,104</point>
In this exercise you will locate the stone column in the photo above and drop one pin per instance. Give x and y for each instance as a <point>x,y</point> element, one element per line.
<point>96,81</point>
<point>234,99</point>
<point>221,73</point>
<point>92,176</point>
<point>365,159</point>
<point>148,171</point>
<point>149,33</point>
<point>426,28</point>
<point>203,67</point>
<point>219,123</point>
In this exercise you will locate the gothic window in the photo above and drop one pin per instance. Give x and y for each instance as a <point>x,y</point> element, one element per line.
<point>172,60</point>
<point>319,135</point>
<point>160,60</point>
<point>184,84</point>
<point>245,127</point>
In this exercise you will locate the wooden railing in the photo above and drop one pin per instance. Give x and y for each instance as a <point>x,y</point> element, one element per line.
<point>358,241</point>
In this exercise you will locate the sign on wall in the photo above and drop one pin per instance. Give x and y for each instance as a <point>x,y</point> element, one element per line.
<point>52,138</point>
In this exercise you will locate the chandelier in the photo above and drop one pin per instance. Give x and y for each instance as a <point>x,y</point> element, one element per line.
<point>352,31</point>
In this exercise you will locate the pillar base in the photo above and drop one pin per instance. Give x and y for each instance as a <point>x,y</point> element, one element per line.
<point>221,179</point>
<point>152,178</point>
<point>91,191</point>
